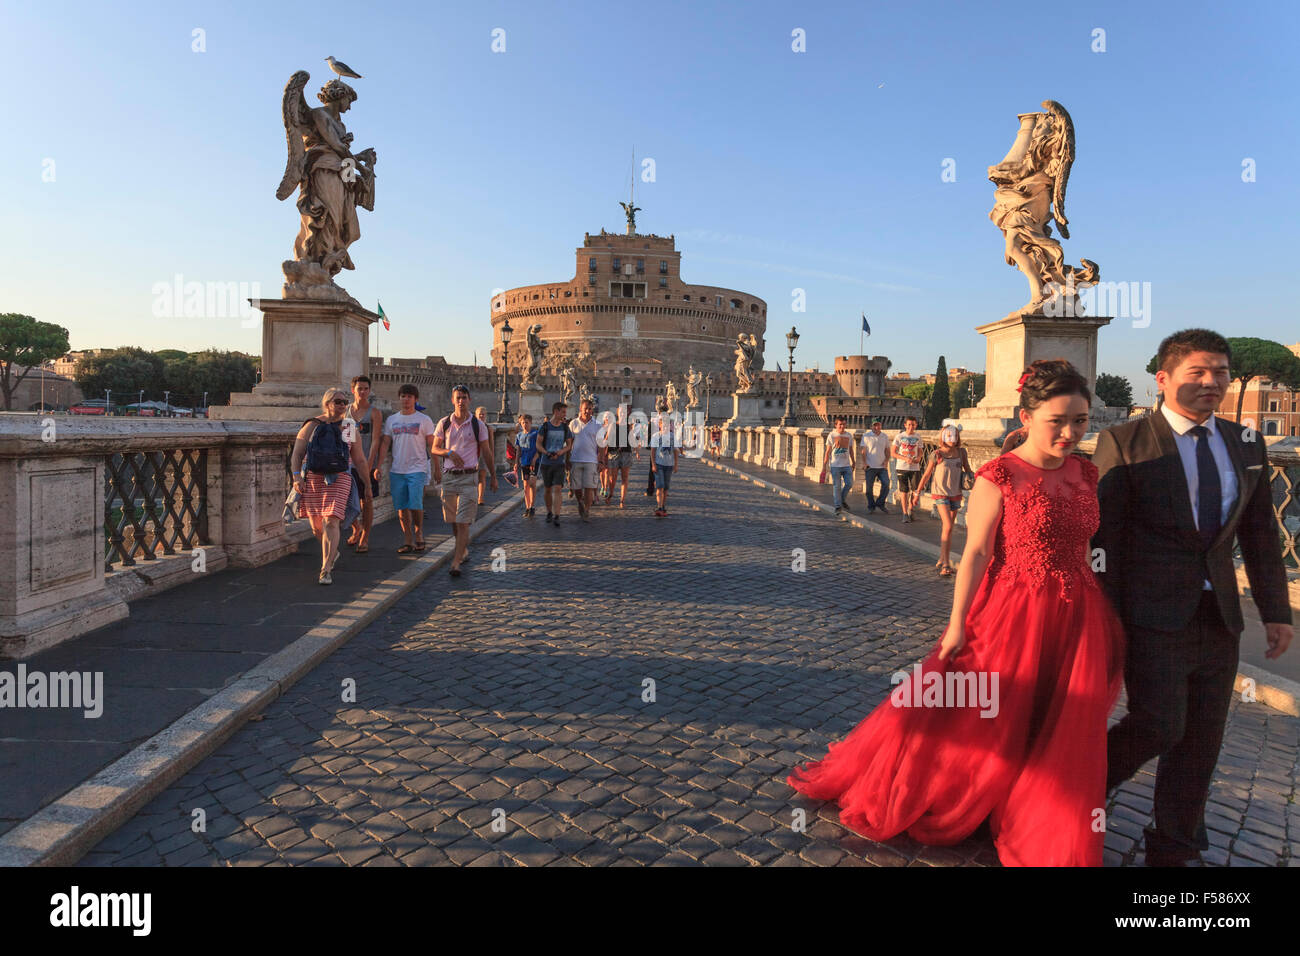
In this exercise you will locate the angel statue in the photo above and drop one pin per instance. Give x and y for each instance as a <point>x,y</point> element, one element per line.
<point>670,396</point>
<point>568,383</point>
<point>693,381</point>
<point>585,394</point>
<point>630,211</point>
<point>535,349</point>
<point>746,347</point>
<point>332,182</point>
<point>1031,183</point>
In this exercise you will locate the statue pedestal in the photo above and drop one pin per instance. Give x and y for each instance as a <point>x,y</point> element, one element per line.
<point>1014,342</point>
<point>532,401</point>
<point>746,409</point>
<point>308,345</point>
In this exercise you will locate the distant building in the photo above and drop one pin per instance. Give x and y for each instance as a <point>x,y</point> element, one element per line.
<point>60,390</point>
<point>66,365</point>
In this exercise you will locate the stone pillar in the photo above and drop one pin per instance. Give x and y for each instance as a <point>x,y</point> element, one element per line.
<point>1014,342</point>
<point>250,489</point>
<point>532,402</point>
<point>746,409</point>
<point>51,542</point>
<point>308,345</point>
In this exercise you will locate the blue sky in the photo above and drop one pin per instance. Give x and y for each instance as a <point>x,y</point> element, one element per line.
<point>776,170</point>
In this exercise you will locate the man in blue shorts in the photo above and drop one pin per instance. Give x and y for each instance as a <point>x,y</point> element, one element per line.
<point>410,434</point>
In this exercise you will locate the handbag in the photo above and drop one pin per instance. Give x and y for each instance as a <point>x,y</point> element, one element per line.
<point>968,480</point>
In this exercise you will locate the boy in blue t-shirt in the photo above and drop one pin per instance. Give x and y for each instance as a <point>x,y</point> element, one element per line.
<point>525,462</point>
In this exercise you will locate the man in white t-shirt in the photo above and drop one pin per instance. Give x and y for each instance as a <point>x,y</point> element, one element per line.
<point>583,456</point>
<point>410,434</point>
<point>875,467</point>
<point>908,450</point>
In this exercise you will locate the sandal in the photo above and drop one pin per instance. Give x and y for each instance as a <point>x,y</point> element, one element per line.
<point>420,546</point>
<point>362,549</point>
<point>947,571</point>
<point>406,549</point>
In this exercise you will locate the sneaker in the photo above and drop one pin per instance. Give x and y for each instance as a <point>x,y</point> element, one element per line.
<point>556,521</point>
<point>884,510</point>
<point>532,512</point>
<point>847,508</point>
<point>871,511</point>
<point>549,517</point>
<point>837,511</point>
<point>582,509</point>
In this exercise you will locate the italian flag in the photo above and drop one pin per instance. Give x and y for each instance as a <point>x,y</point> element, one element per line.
<point>383,318</point>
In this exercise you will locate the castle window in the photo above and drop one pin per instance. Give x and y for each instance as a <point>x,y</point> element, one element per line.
<point>617,263</point>
<point>567,293</point>
<point>736,303</point>
<point>577,321</point>
<point>663,283</point>
<point>591,280</point>
<point>591,267</point>
<point>640,265</point>
<point>704,328</point>
<point>686,298</point>
<point>719,301</point>
<point>663,267</point>
<point>753,307</point>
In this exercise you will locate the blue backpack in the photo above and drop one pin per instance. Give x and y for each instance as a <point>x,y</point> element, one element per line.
<point>327,452</point>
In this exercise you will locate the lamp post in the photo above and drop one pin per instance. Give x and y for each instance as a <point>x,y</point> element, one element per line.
<point>506,332</point>
<point>205,404</point>
<point>167,400</point>
<point>791,340</point>
<point>108,401</point>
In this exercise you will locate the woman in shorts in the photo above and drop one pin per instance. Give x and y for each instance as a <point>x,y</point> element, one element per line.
<point>947,466</point>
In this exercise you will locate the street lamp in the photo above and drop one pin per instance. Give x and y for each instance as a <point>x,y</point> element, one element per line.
<point>506,332</point>
<point>791,340</point>
<point>139,401</point>
<point>108,401</point>
<point>205,404</point>
<point>167,399</point>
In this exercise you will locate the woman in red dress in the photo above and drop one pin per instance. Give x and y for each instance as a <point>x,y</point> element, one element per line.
<point>1005,720</point>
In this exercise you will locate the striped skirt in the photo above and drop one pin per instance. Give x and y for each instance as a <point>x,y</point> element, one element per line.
<point>320,500</point>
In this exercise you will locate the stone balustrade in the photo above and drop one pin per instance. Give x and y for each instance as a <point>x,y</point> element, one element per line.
<point>96,512</point>
<point>801,451</point>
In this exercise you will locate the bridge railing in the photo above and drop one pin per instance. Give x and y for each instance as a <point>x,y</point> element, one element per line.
<point>96,512</point>
<point>801,451</point>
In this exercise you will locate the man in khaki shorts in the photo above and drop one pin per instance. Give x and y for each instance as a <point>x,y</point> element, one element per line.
<point>583,456</point>
<point>462,441</point>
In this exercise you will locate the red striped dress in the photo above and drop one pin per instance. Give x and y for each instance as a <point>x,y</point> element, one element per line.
<point>320,500</point>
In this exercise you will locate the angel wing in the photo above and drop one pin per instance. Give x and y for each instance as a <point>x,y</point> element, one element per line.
<point>1063,160</point>
<point>296,116</point>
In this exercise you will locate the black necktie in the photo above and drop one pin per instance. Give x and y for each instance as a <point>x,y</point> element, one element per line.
<point>1208,491</point>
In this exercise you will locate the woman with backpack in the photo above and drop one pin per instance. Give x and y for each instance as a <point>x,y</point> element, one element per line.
<point>322,454</point>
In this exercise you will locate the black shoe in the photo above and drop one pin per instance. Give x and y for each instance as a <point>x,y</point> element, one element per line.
<point>837,511</point>
<point>847,508</point>
<point>871,511</point>
<point>556,521</point>
<point>883,510</point>
<point>549,517</point>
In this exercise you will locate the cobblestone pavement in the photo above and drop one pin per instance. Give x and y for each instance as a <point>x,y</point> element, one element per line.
<point>500,718</point>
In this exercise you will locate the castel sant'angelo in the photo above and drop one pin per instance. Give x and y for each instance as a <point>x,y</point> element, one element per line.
<point>627,324</point>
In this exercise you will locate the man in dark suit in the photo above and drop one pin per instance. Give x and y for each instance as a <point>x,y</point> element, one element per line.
<point>1175,489</point>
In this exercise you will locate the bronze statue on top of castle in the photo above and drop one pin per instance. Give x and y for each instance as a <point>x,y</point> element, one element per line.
<point>535,349</point>
<point>1031,183</point>
<point>332,182</point>
<point>746,349</point>
<point>630,211</point>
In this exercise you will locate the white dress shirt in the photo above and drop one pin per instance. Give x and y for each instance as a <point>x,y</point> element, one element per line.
<point>1186,443</point>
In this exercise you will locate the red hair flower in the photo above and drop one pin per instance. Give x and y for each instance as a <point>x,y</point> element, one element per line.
<point>1024,378</point>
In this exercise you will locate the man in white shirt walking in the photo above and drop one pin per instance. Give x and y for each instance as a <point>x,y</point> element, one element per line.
<point>875,467</point>
<point>584,455</point>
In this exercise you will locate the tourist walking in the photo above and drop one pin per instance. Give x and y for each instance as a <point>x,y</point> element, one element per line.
<point>875,467</point>
<point>369,423</point>
<point>525,462</point>
<point>948,466</point>
<point>1005,719</point>
<point>603,455</point>
<point>584,456</point>
<point>839,461</point>
<point>481,414</point>
<point>465,444</point>
<point>553,443</point>
<point>409,434</point>
<point>663,462</point>
<point>320,464</point>
<point>908,449</point>
<point>621,452</point>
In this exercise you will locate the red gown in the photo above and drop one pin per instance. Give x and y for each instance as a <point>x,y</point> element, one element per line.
<point>1037,768</point>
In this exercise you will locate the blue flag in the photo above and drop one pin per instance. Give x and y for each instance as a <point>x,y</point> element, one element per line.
<point>778,366</point>
<point>865,328</point>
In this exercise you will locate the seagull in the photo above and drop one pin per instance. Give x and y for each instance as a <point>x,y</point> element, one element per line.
<point>342,69</point>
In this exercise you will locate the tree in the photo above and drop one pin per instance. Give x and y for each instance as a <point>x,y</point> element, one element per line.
<point>125,371</point>
<point>1256,358</point>
<point>213,371</point>
<point>918,391</point>
<point>1114,390</point>
<point>26,342</point>
<point>940,406</point>
<point>960,392</point>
